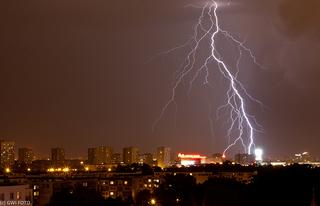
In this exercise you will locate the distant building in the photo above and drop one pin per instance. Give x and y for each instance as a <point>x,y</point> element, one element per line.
<point>41,165</point>
<point>302,157</point>
<point>7,153</point>
<point>146,158</point>
<point>217,158</point>
<point>58,156</point>
<point>100,155</point>
<point>191,159</point>
<point>116,158</point>
<point>25,156</point>
<point>92,155</point>
<point>130,155</point>
<point>163,156</point>
<point>244,159</point>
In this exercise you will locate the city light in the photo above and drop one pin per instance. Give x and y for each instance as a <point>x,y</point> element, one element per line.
<point>65,169</point>
<point>153,201</point>
<point>51,170</point>
<point>258,154</point>
<point>8,170</point>
<point>180,155</point>
<point>191,159</point>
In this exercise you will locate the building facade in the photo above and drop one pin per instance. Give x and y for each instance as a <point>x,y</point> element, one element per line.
<point>130,155</point>
<point>146,158</point>
<point>58,156</point>
<point>100,155</point>
<point>16,195</point>
<point>163,156</point>
<point>7,153</point>
<point>25,156</point>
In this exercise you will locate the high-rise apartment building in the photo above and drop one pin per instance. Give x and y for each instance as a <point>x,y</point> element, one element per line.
<point>100,155</point>
<point>6,153</point>
<point>146,158</point>
<point>92,155</point>
<point>130,155</point>
<point>58,156</point>
<point>25,155</point>
<point>163,156</point>
<point>116,158</point>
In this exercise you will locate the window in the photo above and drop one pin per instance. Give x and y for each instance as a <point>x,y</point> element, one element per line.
<point>111,182</point>
<point>18,195</point>
<point>11,196</point>
<point>36,193</point>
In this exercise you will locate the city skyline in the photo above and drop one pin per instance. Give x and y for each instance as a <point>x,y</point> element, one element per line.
<point>106,154</point>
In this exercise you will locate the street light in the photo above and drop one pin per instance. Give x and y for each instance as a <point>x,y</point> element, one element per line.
<point>153,201</point>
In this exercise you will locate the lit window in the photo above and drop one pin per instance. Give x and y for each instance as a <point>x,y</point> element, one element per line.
<point>18,195</point>
<point>36,193</point>
<point>111,182</point>
<point>149,180</point>
<point>125,182</point>
<point>111,193</point>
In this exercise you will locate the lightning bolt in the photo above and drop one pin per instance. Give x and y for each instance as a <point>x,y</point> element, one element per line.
<point>243,126</point>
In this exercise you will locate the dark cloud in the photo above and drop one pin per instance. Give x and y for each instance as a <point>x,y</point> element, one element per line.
<point>301,17</point>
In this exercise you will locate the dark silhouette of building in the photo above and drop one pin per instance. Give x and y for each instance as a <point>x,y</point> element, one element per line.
<point>58,156</point>
<point>100,155</point>
<point>130,155</point>
<point>25,156</point>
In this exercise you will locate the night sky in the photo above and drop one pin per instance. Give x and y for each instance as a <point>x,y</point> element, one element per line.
<point>75,74</point>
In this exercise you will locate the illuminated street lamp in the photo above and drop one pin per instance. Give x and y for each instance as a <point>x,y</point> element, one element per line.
<point>153,201</point>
